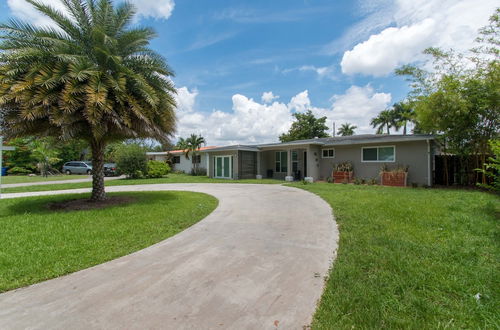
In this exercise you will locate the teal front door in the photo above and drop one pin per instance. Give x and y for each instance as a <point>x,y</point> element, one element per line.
<point>223,167</point>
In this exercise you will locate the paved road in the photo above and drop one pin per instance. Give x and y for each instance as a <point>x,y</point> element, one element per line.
<point>256,262</point>
<point>78,178</point>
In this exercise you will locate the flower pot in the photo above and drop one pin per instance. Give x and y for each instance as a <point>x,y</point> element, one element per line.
<point>341,176</point>
<point>395,179</point>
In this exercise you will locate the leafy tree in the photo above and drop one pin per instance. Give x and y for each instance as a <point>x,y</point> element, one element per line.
<point>385,119</point>
<point>346,129</point>
<point>183,144</point>
<point>459,98</point>
<point>93,78</point>
<point>22,156</point>
<point>305,126</point>
<point>131,160</point>
<point>491,169</point>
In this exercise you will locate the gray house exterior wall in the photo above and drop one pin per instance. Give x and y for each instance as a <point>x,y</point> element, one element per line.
<point>411,153</point>
<point>417,152</point>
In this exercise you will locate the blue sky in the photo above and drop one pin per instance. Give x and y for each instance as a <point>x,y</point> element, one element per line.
<point>244,67</point>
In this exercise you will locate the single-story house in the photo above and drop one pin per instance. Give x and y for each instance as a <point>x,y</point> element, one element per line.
<point>179,160</point>
<point>315,158</point>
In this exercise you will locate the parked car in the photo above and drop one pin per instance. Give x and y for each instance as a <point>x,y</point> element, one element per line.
<point>77,167</point>
<point>110,169</point>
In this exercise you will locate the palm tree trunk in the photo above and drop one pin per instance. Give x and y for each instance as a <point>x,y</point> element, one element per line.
<point>404,129</point>
<point>98,193</point>
<point>388,129</point>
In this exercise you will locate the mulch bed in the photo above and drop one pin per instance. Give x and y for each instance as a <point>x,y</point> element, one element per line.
<point>86,204</point>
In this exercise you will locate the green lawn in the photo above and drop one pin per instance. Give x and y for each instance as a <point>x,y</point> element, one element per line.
<point>38,244</point>
<point>412,259</point>
<point>28,179</point>
<point>172,178</point>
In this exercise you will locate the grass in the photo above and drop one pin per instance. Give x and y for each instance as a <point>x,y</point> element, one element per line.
<point>172,178</point>
<point>37,244</point>
<point>28,179</point>
<point>411,258</point>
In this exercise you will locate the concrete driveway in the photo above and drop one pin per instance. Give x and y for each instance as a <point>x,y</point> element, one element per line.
<point>257,262</point>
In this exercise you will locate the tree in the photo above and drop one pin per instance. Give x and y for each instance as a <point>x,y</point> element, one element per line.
<point>346,129</point>
<point>183,145</point>
<point>459,98</point>
<point>194,143</point>
<point>403,115</point>
<point>385,118</point>
<point>131,160</point>
<point>305,126</point>
<point>94,78</point>
<point>45,154</point>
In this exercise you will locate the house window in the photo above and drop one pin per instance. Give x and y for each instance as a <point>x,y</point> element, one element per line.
<point>281,161</point>
<point>328,153</point>
<point>295,161</point>
<point>378,154</point>
<point>176,160</point>
<point>196,159</point>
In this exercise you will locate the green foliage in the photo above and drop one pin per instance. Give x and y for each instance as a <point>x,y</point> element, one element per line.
<point>191,146</point>
<point>22,155</point>
<point>305,126</point>
<point>94,78</point>
<point>157,169</point>
<point>131,160</point>
<point>492,167</point>
<point>411,259</point>
<point>38,244</point>
<point>18,170</point>
<point>346,129</point>
<point>459,98</point>
<point>387,119</point>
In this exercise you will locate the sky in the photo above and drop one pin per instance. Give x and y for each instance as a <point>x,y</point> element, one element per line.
<point>243,68</point>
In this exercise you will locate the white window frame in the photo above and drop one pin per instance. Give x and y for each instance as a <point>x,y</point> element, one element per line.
<point>378,161</point>
<point>276,161</point>
<point>322,150</point>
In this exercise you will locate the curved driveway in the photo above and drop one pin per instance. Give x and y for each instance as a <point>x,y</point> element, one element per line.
<point>257,262</point>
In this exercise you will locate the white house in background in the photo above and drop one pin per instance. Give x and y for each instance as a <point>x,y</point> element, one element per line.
<point>179,160</point>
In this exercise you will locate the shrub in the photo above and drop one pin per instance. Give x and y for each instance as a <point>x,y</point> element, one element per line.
<point>157,169</point>
<point>372,181</point>
<point>357,181</point>
<point>17,170</point>
<point>200,171</point>
<point>329,179</point>
<point>131,160</point>
<point>492,168</point>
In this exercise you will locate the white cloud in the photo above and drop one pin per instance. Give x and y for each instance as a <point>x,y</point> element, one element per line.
<point>383,52</point>
<point>161,9</point>
<point>252,122</point>
<point>416,24</point>
<point>300,102</point>
<point>25,11</point>
<point>268,97</point>
<point>145,8</point>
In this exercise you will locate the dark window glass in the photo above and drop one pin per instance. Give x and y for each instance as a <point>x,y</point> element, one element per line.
<point>370,154</point>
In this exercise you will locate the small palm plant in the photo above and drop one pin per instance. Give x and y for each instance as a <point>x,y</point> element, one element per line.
<point>92,77</point>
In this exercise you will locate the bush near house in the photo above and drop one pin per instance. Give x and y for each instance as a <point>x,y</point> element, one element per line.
<point>131,160</point>
<point>157,169</point>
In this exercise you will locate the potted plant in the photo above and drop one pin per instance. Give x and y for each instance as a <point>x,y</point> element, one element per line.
<point>396,177</point>
<point>342,172</point>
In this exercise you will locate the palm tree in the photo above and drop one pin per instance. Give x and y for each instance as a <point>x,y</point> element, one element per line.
<point>346,129</point>
<point>183,145</point>
<point>384,119</point>
<point>403,114</point>
<point>93,77</point>
<point>194,144</point>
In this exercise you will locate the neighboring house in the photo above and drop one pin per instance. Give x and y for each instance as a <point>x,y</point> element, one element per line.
<point>179,160</point>
<point>315,158</point>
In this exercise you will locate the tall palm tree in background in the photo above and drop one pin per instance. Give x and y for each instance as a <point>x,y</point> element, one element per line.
<point>93,77</point>
<point>346,129</point>
<point>183,145</point>
<point>194,144</point>
<point>404,114</point>
<point>385,119</point>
